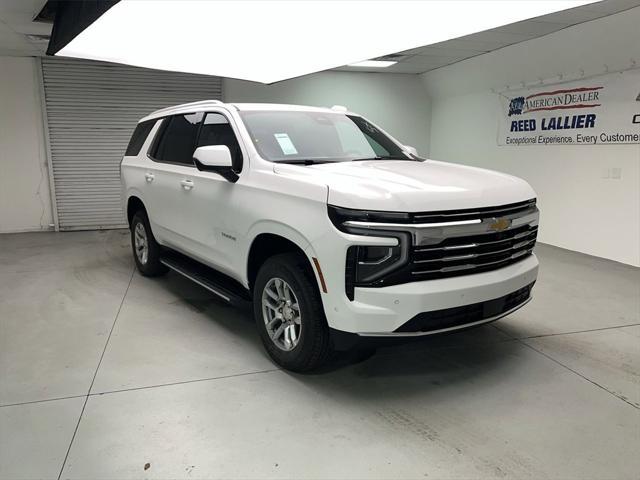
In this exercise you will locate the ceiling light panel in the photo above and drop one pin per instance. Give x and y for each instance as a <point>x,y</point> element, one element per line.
<point>269,41</point>
<point>374,63</point>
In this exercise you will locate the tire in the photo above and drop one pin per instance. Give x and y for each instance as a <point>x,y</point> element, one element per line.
<point>148,265</point>
<point>309,346</point>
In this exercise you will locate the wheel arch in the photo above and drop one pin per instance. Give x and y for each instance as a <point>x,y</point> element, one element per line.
<point>134,203</point>
<point>267,244</point>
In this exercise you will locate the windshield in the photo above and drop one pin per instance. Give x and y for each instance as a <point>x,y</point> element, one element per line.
<point>315,137</point>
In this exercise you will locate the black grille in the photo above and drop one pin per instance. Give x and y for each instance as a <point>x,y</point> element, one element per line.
<point>472,254</point>
<point>339,215</point>
<point>447,250</point>
<point>459,316</point>
<point>472,213</point>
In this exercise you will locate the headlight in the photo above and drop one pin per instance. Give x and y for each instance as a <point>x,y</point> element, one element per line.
<point>368,265</point>
<point>371,263</point>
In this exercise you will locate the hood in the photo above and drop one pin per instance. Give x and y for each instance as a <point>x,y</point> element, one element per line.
<point>404,186</point>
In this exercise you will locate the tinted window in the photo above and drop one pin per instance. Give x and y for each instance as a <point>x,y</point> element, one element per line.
<point>140,134</point>
<point>178,139</point>
<point>216,130</point>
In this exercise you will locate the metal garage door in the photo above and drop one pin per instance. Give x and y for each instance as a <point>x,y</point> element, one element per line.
<point>92,109</point>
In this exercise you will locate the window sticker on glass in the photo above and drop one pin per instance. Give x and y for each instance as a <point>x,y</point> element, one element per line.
<point>285,144</point>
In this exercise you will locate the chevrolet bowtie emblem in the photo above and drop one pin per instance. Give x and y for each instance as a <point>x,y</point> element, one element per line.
<point>500,224</point>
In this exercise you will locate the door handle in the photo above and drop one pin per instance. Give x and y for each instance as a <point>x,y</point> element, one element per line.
<point>149,177</point>
<point>187,184</point>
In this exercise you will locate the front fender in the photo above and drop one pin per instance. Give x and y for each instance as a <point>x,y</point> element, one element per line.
<point>274,228</point>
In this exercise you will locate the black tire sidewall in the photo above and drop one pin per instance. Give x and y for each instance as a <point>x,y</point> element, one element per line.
<point>153,267</point>
<point>313,346</point>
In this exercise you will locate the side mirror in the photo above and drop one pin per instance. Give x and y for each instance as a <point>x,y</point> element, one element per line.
<point>217,159</point>
<point>411,150</point>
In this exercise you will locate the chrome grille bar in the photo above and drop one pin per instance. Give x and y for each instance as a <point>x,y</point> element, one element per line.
<point>470,266</point>
<point>476,255</point>
<point>518,236</point>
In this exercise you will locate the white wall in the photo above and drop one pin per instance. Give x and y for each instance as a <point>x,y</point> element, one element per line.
<point>25,202</point>
<point>580,210</point>
<point>396,102</point>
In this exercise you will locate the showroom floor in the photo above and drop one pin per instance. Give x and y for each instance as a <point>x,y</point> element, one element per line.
<point>106,374</point>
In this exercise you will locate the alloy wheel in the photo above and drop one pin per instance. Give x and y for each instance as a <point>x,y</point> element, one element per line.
<point>141,243</point>
<point>281,314</point>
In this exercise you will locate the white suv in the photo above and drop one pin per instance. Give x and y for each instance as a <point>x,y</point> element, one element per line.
<point>336,232</point>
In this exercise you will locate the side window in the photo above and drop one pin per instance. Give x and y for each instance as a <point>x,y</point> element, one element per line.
<point>177,139</point>
<point>216,130</point>
<point>353,141</point>
<point>379,149</point>
<point>374,137</point>
<point>140,134</point>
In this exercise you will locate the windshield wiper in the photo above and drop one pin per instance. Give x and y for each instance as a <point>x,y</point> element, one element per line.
<point>384,157</point>
<point>412,158</point>
<point>303,161</point>
<point>309,161</point>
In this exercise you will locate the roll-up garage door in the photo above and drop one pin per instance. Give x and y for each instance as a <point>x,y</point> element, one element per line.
<point>92,109</point>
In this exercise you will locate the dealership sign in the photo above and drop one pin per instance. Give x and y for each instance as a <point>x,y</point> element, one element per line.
<point>602,110</point>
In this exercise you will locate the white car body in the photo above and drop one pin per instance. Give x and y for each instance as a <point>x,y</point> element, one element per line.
<point>214,221</point>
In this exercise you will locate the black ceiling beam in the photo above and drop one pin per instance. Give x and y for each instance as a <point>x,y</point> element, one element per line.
<point>72,18</point>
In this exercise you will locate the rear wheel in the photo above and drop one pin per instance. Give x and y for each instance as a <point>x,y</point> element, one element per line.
<point>289,314</point>
<point>146,251</point>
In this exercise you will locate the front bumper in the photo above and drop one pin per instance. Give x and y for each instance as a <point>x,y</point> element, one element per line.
<point>382,312</point>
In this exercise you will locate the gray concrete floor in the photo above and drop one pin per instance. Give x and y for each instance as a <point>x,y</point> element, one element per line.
<point>103,372</point>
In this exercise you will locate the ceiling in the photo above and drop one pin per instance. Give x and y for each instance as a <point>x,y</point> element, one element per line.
<point>21,36</point>
<point>17,27</point>
<point>430,57</point>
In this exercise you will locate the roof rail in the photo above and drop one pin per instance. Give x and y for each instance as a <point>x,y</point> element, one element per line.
<point>192,104</point>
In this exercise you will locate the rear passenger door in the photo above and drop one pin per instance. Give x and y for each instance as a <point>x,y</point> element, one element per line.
<point>170,178</point>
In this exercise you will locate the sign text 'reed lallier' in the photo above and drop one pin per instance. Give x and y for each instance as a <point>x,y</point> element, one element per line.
<point>555,123</point>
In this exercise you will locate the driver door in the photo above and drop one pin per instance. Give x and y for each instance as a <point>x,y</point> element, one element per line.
<point>210,208</point>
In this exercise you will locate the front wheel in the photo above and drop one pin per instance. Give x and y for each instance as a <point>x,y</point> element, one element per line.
<point>289,314</point>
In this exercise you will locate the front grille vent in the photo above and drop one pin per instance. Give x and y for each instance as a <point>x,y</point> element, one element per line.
<point>442,244</point>
<point>472,254</point>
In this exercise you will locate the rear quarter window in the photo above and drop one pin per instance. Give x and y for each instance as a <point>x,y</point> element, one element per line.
<point>140,134</point>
